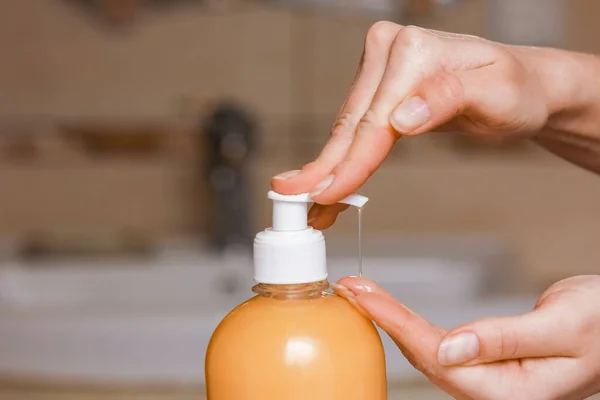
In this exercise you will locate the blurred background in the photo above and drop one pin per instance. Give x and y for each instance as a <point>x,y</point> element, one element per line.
<point>137,141</point>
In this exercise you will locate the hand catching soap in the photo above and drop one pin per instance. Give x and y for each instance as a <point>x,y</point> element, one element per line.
<point>293,340</point>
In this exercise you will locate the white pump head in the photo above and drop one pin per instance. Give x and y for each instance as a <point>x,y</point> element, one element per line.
<point>291,252</point>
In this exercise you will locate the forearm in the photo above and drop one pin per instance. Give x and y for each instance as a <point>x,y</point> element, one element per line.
<point>572,85</point>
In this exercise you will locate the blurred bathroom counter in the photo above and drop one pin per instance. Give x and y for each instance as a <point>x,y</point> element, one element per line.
<point>422,391</point>
<point>414,392</point>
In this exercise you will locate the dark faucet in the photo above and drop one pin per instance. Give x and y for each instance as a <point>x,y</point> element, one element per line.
<point>229,134</point>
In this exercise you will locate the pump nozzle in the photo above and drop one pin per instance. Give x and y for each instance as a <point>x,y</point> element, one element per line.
<point>291,252</point>
<point>290,211</point>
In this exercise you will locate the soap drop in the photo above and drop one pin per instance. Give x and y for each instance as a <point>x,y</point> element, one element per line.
<point>360,211</point>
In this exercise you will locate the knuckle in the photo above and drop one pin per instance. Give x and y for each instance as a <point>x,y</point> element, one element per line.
<point>414,31</point>
<point>378,40</point>
<point>497,343</point>
<point>412,37</point>
<point>379,33</point>
<point>343,126</point>
<point>506,346</point>
<point>510,346</point>
<point>373,122</point>
<point>368,121</point>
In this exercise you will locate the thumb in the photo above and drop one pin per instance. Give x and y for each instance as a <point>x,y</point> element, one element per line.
<point>536,334</point>
<point>418,339</point>
<point>441,98</point>
<point>436,101</point>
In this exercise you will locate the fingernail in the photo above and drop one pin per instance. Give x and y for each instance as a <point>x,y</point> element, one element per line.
<point>341,291</point>
<point>359,285</point>
<point>459,349</point>
<point>287,175</point>
<point>365,288</point>
<point>410,114</point>
<point>322,186</point>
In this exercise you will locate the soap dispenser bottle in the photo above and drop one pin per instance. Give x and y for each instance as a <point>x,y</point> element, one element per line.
<point>293,340</point>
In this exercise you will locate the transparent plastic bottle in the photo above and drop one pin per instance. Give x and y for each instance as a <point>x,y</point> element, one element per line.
<point>293,340</point>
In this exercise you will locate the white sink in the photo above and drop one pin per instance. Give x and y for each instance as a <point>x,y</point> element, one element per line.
<point>138,321</point>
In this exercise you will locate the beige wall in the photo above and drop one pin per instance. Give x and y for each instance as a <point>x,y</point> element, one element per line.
<point>57,62</point>
<point>64,66</point>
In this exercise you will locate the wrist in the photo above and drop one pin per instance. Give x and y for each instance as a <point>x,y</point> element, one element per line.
<point>570,87</point>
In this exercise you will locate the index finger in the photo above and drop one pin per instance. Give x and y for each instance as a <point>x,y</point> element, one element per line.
<point>372,68</point>
<point>407,68</point>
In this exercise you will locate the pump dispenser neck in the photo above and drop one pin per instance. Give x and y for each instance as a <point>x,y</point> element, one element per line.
<point>286,292</point>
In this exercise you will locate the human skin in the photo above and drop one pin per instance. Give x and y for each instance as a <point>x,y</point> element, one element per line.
<point>550,353</point>
<point>412,81</point>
